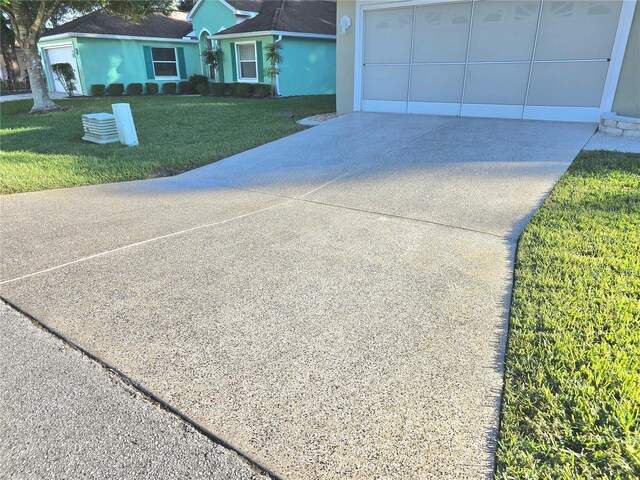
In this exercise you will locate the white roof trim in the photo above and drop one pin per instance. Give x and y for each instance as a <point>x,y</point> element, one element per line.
<point>197,5</point>
<point>193,11</point>
<point>116,37</point>
<point>274,32</point>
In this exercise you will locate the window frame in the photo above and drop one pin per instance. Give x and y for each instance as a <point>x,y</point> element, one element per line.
<point>242,79</point>
<point>175,62</point>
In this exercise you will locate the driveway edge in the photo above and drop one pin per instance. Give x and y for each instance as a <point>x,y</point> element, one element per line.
<point>145,393</point>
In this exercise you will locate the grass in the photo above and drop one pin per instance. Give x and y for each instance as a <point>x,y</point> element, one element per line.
<point>571,408</point>
<point>176,133</point>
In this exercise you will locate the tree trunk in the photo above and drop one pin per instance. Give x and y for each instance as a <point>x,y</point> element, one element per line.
<point>9,52</point>
<point>28,26</point>
<point>8,61</point>
<point>41,100</point>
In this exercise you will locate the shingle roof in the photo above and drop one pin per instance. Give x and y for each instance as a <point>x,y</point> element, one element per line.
<point>156,25</point>
<point>300,16</point>
<point>246,5</point>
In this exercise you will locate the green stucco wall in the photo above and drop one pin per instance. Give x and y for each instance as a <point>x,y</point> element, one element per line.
<point>227,57</point>
<point>309,66</point>
<point>627,99</point>
<point>121,61</point>
<point>212,16</point>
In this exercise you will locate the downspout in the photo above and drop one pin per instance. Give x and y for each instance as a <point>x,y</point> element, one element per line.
<point>278,40</point>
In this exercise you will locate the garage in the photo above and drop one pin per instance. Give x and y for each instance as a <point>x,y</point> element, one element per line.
<point>62,54</point>
<point>508,59</point>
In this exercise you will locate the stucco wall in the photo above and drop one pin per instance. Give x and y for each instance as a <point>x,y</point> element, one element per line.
<point>345,51</point>
<point>309,66</point>
<point>227,57</point>
<point>212,16</point>
<point>122,61</point>
<point>627,99</point>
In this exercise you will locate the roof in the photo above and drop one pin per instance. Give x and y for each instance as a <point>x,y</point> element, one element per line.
<point>246,5</point>
<point>99,22</point>
<point>297,16</point>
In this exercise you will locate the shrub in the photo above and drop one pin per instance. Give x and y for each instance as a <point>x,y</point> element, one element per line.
<point>185,88</point>
<point>151,88</point>
<point>134,89</point>
<point>65,74</point>
<point>230,89</point>
<point>115,89</point>
<point>202,88</point>
<point>243,90</point>
<point>169,88</point>
<point>219,89</point>
<point>196,80</point>
<point>98,90</point>
<point>262,91</point>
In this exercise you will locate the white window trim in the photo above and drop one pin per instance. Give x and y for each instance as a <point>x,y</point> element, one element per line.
<point>170,77</point>
<point>242,79</point>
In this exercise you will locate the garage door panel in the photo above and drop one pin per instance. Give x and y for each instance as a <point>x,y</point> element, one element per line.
<point>437,83</point>
<point>386,82</point>
<point>570,84</point>
<point>577,30</point>
<point>497,58</point>
<point>388,36</point>
<point>441,33</point>
<point>503,31</point>
<point>502,83</point>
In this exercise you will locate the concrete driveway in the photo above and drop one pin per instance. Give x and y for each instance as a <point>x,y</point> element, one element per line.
<point>333,304</point>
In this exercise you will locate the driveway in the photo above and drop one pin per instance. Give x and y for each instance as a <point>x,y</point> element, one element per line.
<point>29,96</point>
<point>333,304</point>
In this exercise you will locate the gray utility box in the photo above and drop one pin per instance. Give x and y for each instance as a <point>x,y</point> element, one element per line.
<point>100,128</point>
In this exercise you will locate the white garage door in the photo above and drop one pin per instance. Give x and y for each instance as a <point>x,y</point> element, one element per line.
<point>62,55</point>
<point>513,59</point>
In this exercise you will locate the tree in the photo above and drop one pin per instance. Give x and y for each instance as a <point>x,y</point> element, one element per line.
<point>66,76</point>
<point>8,46</point>
<point>274,58</point>
<point>185,5</point>
<point>30,18</point>
<point>213,58</point>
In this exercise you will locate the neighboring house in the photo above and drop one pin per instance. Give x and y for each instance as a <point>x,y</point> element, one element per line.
<point>305,31</point>
<point>104,49</point>
<point>550,60</point>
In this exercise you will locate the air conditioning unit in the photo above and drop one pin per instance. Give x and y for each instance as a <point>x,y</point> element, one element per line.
<point>100,128</point>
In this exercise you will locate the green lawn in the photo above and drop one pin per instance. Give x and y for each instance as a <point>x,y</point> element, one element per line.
<point>571,406</point>
<point>176,133</point>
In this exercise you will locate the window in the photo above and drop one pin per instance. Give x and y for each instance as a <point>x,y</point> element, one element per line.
<point>247,62</point>
<point>164,62</point>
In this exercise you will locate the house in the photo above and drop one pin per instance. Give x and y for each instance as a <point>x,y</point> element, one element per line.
<point>549,60</point>
<point>105,49</point>
<point>305,32</point>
